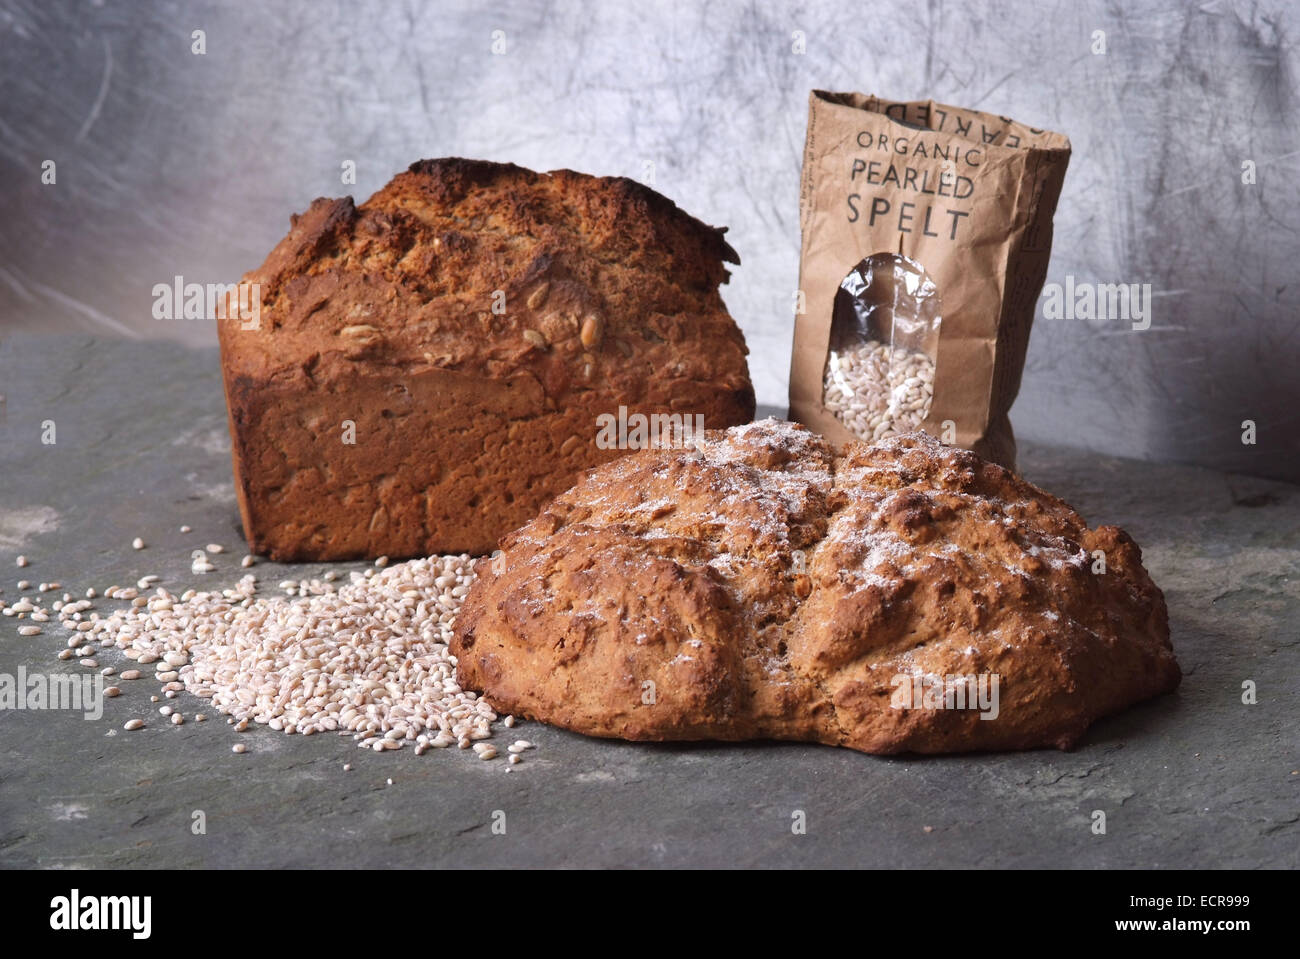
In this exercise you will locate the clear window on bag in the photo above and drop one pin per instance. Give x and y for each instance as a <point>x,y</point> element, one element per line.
<point>884,342</point>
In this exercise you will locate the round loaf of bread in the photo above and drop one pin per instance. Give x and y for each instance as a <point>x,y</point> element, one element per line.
<point>901,597</point>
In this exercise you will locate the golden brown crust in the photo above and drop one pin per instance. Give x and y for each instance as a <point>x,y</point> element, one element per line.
<point>769,585</point>
<point>383,315</point>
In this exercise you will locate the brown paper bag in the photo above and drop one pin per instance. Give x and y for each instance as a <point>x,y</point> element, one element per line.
<point>926,234</point>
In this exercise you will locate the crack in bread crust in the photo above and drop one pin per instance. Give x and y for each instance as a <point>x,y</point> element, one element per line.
<point>769,585</point>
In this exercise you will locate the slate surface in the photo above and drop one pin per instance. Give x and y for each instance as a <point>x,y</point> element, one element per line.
<point>1194,779</point>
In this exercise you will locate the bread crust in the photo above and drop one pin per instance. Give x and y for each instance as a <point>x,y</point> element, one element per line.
<point>770,585</point>
<point>383,315</point>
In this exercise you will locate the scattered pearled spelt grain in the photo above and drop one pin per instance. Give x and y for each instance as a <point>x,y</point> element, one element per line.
<point>368,658</point>
<point>239,748</point>
<point>21,561</point>
<point>247,561</point>
<point>137,543</point>
<point>215,548</point>
<point>29,630</point>
<point>134,724</point>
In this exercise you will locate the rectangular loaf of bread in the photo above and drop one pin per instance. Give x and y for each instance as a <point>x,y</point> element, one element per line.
<point>427,369</point>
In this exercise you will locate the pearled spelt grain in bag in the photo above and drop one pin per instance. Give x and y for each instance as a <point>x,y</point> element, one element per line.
<point>926,235</point>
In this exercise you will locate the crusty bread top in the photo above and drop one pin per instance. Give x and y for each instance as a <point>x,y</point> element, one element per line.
<point>771,584</point>
<point>875,524</point>
<point>408,279</point>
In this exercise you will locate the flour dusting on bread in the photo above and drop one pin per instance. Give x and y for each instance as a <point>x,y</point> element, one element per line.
<point>768,584</point>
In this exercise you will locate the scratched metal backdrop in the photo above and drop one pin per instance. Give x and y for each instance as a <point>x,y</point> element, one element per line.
<point>171,163</point>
